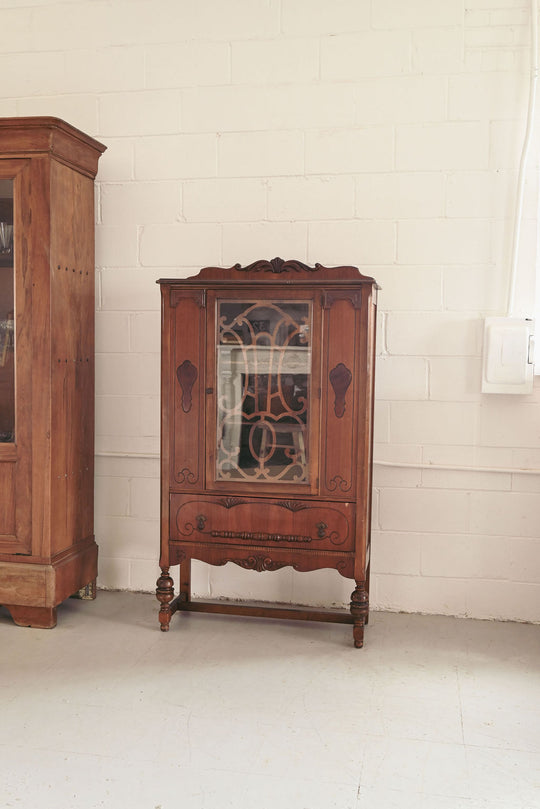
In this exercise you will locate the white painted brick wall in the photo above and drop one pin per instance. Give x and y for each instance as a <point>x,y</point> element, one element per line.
<point>260,154</point>
<point>275,61</point>
<point>400,195</point>
<point>136,113</point>
<point>349,151</point>
<point>320,19</point>
<point>370,53</point>
<point>245,242</point>
<point>380,133</point>
<point>445,241</point>
<point>370,242</point>
<point>407,99</point>
<point>311,198</point>
<point>437,50</point>
<point>180,244</point>
<point>407,289</point>
<point>402,378</point>
<point>416,13</point>
<point>225,200</point>
<point>433,422</point>
<point>431,334</point>
<point>187,64</point>
<point>449,145</point>
<point>178,156</point>
<point>454,378</point>
<point>140,203</point>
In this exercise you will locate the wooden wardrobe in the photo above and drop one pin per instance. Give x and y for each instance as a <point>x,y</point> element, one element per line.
<point>47,546</point>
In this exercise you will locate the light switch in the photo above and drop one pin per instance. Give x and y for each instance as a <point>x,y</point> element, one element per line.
<point>507,367</point>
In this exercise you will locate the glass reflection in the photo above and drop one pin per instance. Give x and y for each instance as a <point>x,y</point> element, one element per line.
<point>264,375</point>
<point>7,307</point>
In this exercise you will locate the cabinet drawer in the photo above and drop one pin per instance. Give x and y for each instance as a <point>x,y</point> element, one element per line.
<point>295,524</point>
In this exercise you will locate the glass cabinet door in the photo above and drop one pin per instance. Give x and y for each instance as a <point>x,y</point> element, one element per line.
<point>7,308</point>
<point>264,379</point>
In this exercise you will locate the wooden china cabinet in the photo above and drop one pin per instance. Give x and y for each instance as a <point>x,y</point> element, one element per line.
<point>267,400</point>
<point>47,546</point>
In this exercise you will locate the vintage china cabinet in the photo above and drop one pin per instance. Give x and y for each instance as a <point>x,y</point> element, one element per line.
<point>267,400</point>
<point>47,546</point>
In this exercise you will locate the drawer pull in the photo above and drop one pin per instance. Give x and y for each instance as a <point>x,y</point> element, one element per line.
<point>321,529</point>
<point>259,536</point>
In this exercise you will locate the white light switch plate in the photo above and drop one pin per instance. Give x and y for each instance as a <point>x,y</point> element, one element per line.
<point>508,366</point>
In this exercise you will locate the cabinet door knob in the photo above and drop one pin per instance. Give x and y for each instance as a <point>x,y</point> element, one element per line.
<point>321,529</point>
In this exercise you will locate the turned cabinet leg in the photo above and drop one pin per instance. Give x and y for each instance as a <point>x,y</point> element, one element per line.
<point>359,612</point>
<point>165,594</point>
<point>37,617</point>
<point>366,585</point>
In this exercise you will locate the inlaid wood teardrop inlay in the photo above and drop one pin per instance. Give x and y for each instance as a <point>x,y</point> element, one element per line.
<point>340,379</point>
<point>187,376</point>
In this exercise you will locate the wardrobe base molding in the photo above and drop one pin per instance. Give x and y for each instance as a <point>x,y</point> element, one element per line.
<point>31,592</point>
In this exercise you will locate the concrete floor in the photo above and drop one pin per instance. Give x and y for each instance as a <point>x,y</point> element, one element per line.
<point>107,711</point>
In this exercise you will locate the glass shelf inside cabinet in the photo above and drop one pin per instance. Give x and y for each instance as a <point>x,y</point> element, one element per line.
<point>263,386</point>
<point>7,307</point>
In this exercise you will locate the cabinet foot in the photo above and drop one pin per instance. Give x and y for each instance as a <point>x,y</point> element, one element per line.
<point>358,636</point>
<point>37,617</point>
<point>87,593</point>
<point>165,594</point>
<point>359,611</point>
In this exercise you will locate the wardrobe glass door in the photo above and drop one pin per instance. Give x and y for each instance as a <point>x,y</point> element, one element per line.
<point>7,309</point>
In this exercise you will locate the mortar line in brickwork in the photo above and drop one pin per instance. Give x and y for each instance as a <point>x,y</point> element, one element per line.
<point>454,468</point>
<point>396,464</point>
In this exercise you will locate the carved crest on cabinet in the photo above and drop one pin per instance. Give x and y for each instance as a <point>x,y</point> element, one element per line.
<point>278,266</point>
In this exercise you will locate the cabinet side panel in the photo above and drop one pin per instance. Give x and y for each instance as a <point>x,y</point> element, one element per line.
<point>187,397</point>
<point>365,437</point>
<point>36,259</point>
<point>72,357</point>
<point>340,386</point>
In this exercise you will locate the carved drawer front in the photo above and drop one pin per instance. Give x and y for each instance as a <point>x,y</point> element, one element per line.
<point>298,524</point>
